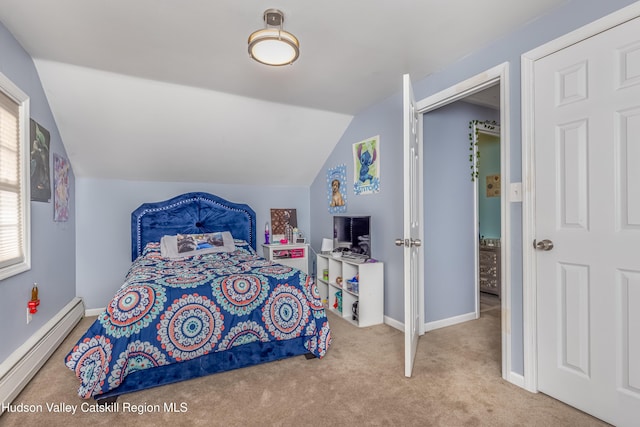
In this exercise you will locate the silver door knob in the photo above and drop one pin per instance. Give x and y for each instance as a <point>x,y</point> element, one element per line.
<point>545,245</point>
<point>408,242</point>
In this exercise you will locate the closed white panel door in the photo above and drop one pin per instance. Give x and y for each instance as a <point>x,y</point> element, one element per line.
<point>587,183</point>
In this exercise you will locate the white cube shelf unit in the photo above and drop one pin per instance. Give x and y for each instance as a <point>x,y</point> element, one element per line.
<point>369,295</point>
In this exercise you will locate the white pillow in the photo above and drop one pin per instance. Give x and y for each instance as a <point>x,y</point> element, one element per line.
<point>184,245</point>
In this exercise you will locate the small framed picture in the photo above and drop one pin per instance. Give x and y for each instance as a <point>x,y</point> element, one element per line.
<point>279,220</point>
<point>301,240</point>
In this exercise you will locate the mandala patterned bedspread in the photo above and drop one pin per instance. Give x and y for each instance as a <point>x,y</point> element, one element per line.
<point>169,311</point>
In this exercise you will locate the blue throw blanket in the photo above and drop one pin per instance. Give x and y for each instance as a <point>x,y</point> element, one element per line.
<point>174,310</point>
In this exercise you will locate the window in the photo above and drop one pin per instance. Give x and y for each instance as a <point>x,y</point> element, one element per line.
<point>15,250</point>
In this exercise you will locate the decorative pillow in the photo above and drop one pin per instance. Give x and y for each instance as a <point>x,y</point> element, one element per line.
<point>184,245</point>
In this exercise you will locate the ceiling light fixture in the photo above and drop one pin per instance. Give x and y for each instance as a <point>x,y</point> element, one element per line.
<point>272,45</point>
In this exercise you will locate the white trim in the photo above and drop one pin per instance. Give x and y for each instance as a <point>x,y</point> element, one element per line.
<point>516,379</point>
<point>20,367</point>
<point>420,179</point>
<point>505,223</point>
<point>93,311</point>
<point>530,346</point>
<point>24,115</point>
<point>463,89</point>
<point>498,74</point>
<point>527,60</point>
<point>394,323</point>
<point>430,326</point>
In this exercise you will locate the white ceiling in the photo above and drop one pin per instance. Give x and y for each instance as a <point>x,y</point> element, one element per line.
<point>165,90</point>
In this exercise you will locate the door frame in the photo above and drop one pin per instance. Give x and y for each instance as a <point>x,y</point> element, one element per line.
<point>529,275</point>
<point>498,74</point>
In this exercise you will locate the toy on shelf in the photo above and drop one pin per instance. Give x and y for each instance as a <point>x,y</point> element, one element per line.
<point>337,304</point>
<point>353,285</point>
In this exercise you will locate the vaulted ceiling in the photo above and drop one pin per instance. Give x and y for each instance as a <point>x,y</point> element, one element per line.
<point>165,90</point>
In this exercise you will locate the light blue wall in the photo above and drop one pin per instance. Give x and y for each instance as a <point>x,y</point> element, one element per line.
<point>104,209</point>
<point>385,119</point>
<point>385,207</point>
<point>52,243</point>
<point>449,232</point>
<point>488,207</point>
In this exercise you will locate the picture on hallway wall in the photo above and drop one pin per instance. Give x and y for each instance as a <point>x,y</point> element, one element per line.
<point>40,174</point>
<point>366,166</point>
<point>336,189</point>
<point>493,185</point>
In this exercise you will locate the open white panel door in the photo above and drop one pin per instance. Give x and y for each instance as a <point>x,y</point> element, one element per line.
<point>412,226</point>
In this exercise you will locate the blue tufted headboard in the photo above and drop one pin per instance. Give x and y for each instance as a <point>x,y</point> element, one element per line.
<point>190,213</point>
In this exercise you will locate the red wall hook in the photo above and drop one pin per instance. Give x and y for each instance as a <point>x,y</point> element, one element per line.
<point>35,301</point>
<point>33,306</point>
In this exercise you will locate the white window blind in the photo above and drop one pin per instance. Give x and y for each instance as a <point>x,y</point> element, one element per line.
<point>14,215</point>
<point>11,244</point>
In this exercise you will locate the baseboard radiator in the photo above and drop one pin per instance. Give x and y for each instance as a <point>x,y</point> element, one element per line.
<point>21,366</point>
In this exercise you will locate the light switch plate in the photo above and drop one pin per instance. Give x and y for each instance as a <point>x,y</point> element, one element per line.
<point>515,194</point>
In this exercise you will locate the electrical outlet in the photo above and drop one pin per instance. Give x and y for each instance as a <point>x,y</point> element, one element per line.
<point>29,316</point>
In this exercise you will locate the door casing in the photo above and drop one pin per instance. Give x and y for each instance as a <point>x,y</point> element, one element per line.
<point>498,74</point>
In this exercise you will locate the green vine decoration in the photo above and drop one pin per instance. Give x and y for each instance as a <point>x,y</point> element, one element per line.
<point>473,144</point>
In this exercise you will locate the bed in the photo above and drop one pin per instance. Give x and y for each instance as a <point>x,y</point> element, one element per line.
<point>174,319</point>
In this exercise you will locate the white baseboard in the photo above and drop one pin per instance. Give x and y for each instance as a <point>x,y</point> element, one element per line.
<point>517,379</point>
<point>430,326</point>
<point>394,323</point>
<point>93,311</point>
<point>21,366</point>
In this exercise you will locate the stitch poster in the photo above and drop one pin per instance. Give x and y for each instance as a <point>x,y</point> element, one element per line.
<point>336,189</point>
<point>366,166</point>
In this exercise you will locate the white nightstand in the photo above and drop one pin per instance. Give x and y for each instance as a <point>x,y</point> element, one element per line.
<point>294,255</point>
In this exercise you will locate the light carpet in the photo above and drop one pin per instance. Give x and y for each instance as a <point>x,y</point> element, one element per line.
<point>360,382</point>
